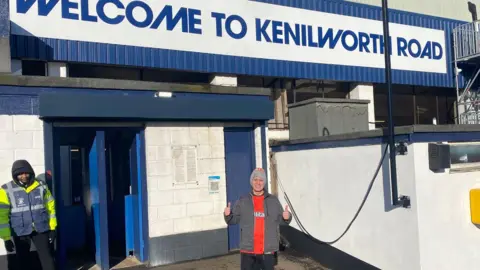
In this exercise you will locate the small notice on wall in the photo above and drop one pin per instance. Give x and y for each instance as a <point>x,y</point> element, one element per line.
<point>213,184</point>
<point>185,164</point>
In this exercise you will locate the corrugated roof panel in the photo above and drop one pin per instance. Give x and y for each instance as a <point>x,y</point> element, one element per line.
<point>76,51</point>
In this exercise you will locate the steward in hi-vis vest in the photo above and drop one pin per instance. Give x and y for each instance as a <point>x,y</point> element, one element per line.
<point>27,213</point>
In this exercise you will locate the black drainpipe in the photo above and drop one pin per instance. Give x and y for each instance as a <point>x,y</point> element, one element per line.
<point>403,201</point>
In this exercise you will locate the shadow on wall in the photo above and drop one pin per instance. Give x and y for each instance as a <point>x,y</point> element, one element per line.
<point>326,255</point>
<point>387,194</point>
<point>24,44</point>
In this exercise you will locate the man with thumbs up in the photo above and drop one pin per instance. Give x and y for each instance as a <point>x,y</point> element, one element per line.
<point>259,215</point>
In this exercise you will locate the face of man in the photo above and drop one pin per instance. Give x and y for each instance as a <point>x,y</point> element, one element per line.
<point>258,184</point>
<point>24,177</point>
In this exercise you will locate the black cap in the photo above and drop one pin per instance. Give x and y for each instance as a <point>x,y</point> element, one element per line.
<point>22,166</point>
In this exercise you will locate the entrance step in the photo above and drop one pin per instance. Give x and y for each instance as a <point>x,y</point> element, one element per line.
<point>127,263</point>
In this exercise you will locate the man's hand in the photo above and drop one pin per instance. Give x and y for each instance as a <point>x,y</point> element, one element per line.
<point>9,246</point>
<point>227,210</point>
<point>286,213</point>
<point>52,235</point>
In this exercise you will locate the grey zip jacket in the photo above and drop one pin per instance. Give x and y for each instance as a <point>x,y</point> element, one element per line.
<point>242,214</point>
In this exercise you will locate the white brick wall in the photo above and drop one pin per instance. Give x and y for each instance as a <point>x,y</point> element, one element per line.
<point>21,137</point>
<point>187,207</point>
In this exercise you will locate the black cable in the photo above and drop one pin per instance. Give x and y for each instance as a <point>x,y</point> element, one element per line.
<point>354,217</point>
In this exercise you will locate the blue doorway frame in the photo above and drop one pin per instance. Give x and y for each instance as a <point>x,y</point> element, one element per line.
<point>240,160</point>
<point>139,189</point>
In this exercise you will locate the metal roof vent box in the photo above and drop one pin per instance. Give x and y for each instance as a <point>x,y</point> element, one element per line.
<point>319,117</point>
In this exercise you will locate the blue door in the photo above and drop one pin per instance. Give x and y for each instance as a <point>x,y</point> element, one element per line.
<point>135,222</point>
<point>98,193</point>
<point>239,163</point>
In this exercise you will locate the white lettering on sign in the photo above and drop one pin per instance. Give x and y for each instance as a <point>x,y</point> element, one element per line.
<point>236,28</point>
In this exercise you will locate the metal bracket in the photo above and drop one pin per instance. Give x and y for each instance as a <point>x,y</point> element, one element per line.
<point>404,201</point>
<point>401,148</point>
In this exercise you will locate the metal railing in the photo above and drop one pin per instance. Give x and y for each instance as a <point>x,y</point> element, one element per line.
<point>467,40</point>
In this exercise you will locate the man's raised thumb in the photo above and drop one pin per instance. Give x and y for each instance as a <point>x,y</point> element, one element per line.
<point>286,208</point>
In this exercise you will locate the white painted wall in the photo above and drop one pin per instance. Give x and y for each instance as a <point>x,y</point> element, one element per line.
<point>448,239</point>
<point>435,234</point>
<point>326,187</point>
<point>21,137</point>
<point>181,208</point>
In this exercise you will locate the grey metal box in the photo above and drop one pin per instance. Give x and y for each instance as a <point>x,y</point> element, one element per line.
<point>327,116</point>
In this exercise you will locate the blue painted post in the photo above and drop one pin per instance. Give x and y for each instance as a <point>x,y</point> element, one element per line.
<point>52,164</point>
<point>129,224</point>
<point>142,195</point>
<point>98,191</point>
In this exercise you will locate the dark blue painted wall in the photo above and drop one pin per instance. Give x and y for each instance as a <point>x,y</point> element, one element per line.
<point>25,100</point>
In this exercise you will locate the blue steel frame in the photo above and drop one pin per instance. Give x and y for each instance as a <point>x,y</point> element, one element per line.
<point>52,161</point>
<point>76,51</point>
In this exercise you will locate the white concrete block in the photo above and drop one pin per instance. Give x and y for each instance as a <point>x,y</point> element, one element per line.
<point>158,198</point>
<point>217,165</point>
<point>189,224</point>
<point>152,214</point>
<point>27,123</point>
<point>203,137</point>
<point>38,141</point>
<point>203,151</point>
<point>152,183</point>
<point>152,154</point>
<point>5,173</point>
<point>200,209</point>
<point>215,135</point>
<point>6,123</point>
<point>158,137</point>
<point>219,205</point>
<point>180,137</point>
<point>204,166</point>
<point>218,151</point>
<point>6,158</point>
<point>172,211</point>
<point>6,140</point>
<point>34,156</point>
<point>164,152</point>
<point>193,135</point>
<point>191,195</point>
<point>22,139</point>
<point>160,168</point>
<point>165,182</point>
<point>214,221</point>
<point>161,228</point>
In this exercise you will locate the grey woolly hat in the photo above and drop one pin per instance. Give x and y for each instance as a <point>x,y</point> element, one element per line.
<point>258,173</point>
